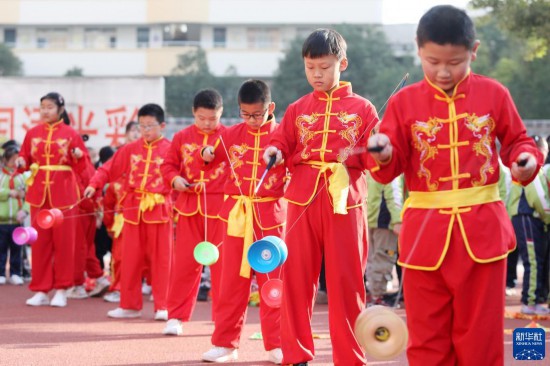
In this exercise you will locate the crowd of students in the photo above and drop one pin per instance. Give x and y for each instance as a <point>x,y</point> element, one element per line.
<point>160,198</point>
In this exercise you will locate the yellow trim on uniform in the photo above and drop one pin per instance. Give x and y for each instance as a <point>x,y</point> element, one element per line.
<point>34,168</point>
<point>338,184</point>
<point>241,225</point>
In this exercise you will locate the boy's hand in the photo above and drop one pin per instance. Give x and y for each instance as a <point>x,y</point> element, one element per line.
<point>89,192</point>
<point>21,216</point>
<point>270,151</point>
<point>207,153</point>
<point>77,153</point>
<point>524,167</point>
<point>20,162</point>
<point>380,147</point>
<point>180,184</point>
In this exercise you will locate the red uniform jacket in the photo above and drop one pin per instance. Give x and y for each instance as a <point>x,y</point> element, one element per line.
<point>146,196</point>
<point>47,152</point>
<point>446,147</point>
<point>322,128</point>
<point>245,149</point>
<point>183,159</point>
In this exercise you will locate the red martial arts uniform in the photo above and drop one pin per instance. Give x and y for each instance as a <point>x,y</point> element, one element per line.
<point>147,231</point>
<point>85,258</point>
<point>317,138</point>
<point>456,233</point>
<point>183,159</point>
<point>249,217</point>
<point>113,220</point>
<point>53,184</point>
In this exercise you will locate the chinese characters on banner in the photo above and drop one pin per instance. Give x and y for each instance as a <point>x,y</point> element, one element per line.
<point>103,126</point>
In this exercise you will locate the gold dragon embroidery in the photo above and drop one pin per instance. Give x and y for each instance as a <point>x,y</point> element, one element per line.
<point>236,154</point>
<point>423,134</point>
<point>481,128</point>
<point>34,145</point>
<point>351,122</point>
<point>303,123</point>
<point>187,151</point>
<point>157,173</point>
<point>270,182</point>
<point>134,166</point>
<point>218,171</point>
<point>63,150</point>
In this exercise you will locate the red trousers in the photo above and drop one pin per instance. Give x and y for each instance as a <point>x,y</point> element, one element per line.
<point>185,276</point>
<point>235,293</point>
<point>342,239</point>
<point>455,315</point>
<point>85,258</point>
<point>53,253</point>
<point>116,258</point>
<point>145,243</point>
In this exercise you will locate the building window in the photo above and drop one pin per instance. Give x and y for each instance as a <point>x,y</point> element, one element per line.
<point>220,35</point>
<point>52,38</point>
<point>10,37</point>
<point>100,38</point>
<point>263,38</point>
<point>143,37</point>
<point>181,34</point>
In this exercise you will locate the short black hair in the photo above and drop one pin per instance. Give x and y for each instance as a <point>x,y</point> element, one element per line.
<point>10,151</point>
<point>153,110</point>
<point>105,153</point>
<point>9,143</point>
<point>446,24</point>
<point>324,42</point>
<point>254,91</point>
<point>208,99</point>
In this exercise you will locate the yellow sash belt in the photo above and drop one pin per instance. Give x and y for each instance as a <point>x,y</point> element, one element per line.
<point>34,168</point>
<point>456,198</point>
<point>149,200</point>
<point>240,224</point>
<point>118,224</point>
<point>338,184</point>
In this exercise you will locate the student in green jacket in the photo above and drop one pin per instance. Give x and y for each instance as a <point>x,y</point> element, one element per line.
<point>13,211</point>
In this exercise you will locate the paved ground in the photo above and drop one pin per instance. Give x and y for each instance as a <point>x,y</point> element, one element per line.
<point>81,334</point>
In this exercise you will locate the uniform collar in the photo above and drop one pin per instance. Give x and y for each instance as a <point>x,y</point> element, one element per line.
<point>342,90</point>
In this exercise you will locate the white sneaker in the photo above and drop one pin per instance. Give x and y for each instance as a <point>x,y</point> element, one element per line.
<point>101,285</point>
<point>220,354</point>
<point>275,356</point>
<point>2,280</point>
<point>39,299</point>
<point>146,289</point>
<point>16,280</point>
<point>59,299</point>
<point>540,309</point>
<point>77,292</point>
<point>121,313</point>
<point>112,296</point>
<point>173,327</point>
<point>161,315</point>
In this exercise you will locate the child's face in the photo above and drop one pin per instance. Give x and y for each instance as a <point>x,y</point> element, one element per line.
<point>207,120</point>
<point>323,73</point>
<point>446,65</point>
<point>150,128</point>
<point>256,114</point>
<point>11,161</point>
<point>133,134</point>
<point>49,111</point>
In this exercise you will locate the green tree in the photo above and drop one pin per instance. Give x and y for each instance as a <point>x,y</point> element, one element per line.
<point>75,71</point>
<point>191,75</point>
<point>373,69</point>
<point>10,65</point>
<point>526,19</point>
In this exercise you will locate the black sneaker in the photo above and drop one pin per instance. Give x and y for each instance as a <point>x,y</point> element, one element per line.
<point>202,295</point>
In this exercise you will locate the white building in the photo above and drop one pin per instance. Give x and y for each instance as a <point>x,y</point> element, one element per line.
<point>144,37</point>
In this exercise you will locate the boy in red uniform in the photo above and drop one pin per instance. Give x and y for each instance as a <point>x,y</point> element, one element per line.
<point>325,215</point>
<point>147,231</point>
<point>200,198</point>
<point>441,133</point>
<point>252,211</point>
<point>56,155</point>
